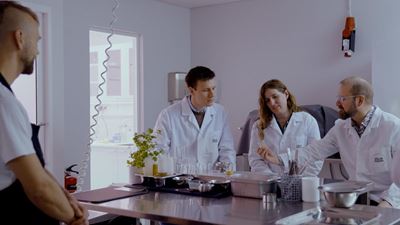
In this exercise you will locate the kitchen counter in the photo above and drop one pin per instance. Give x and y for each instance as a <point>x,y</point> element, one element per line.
<point>183,209</point>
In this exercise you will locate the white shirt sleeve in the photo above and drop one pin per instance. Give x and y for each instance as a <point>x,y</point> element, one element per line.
<point>16,132</point>
<point>226,148</point>
<point>163,124</point>
<point>257,164</point>
<point>313,168</point>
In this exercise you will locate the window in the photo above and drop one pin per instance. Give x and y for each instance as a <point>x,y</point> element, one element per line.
<point>118,115</point>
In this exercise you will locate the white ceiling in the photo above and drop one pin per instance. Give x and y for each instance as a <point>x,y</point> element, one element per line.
<point>197,3</point>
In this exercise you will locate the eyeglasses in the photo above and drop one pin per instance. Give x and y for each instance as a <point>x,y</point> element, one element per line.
<point>343,98</point>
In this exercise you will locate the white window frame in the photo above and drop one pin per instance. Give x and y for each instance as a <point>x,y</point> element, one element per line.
<point>140,80</point>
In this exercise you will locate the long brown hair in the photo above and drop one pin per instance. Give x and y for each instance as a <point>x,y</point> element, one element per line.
<point>265,112</point>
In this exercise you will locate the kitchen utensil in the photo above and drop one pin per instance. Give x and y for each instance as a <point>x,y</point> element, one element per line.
<point>182,180</point>
<point>290,186</point>
<point>220,184</point>
<point>343,194</point>
<point>200,185</point>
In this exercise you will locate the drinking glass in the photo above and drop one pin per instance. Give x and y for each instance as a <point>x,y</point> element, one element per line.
<point>228,166</point>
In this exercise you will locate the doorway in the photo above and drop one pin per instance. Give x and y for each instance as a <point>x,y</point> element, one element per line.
<point>118,112</point>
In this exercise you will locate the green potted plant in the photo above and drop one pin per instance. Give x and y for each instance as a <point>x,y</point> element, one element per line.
<point>147,152</point>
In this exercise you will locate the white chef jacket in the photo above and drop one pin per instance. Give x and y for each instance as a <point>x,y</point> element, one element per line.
<point>301,130</point>
<point>367,158</point>
<point>179,129</point>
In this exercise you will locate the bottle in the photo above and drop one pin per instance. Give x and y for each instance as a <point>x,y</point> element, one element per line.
<point>155,169</point>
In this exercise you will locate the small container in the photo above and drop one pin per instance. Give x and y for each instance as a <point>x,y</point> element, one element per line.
<point>220,184</point>
<point>200,185</point>
<point>290,186</point>
<point>252,185</point>
<point>205,187</point>
<point>182,180</point>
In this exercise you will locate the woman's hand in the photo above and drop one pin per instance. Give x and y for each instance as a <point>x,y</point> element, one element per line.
<point>268,155</point>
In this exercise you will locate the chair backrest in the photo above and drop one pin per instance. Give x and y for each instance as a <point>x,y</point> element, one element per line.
<point>244,142</point>
<point>324,115</point>
<point>333,169</point>
<point>242,162</point>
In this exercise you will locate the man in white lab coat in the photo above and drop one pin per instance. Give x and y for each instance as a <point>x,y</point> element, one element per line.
<point>196,128</point>
<point>367,139</point>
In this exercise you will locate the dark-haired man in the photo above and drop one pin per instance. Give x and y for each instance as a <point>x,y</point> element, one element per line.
<point>196,127</point>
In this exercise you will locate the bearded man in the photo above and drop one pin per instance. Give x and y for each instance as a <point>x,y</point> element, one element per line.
<point>26,187</point>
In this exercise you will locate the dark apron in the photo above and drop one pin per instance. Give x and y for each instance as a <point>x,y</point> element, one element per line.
<point>13,198</point>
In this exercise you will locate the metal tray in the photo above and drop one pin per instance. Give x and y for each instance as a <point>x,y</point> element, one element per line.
<point>170,186</point>
<point>253,185</point>
<point>321,215</point>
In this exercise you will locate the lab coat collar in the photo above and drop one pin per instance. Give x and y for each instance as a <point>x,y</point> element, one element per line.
<point>295,119</point>
<point>187,111</point>
<point>375,120</point>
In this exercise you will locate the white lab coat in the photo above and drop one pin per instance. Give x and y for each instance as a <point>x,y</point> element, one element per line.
<point>366,158</point>
<point>301,131</point>
<point>396,169</point>
<point>180,131</point>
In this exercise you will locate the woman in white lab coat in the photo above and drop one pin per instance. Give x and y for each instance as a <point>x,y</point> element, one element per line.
<point>281,126</point>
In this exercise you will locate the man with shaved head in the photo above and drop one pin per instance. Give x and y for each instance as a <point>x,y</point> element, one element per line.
<point>26,188</point>
<point>366,137</point>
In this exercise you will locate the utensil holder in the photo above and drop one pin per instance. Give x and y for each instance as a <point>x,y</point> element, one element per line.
<point>290,186</point>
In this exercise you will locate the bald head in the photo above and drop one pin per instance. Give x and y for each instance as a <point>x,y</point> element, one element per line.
<point>359,86</point>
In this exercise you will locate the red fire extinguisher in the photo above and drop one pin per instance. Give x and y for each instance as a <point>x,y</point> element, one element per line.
<point>70,181</point>
<point>349,37</point>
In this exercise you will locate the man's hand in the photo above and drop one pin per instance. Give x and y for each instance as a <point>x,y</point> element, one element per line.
<point>83,220</point>
<point>268,155</point>
<point>81,213</point>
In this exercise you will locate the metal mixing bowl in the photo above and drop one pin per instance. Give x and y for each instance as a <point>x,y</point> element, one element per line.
<point>341,199</point>
<point>342,194</point>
